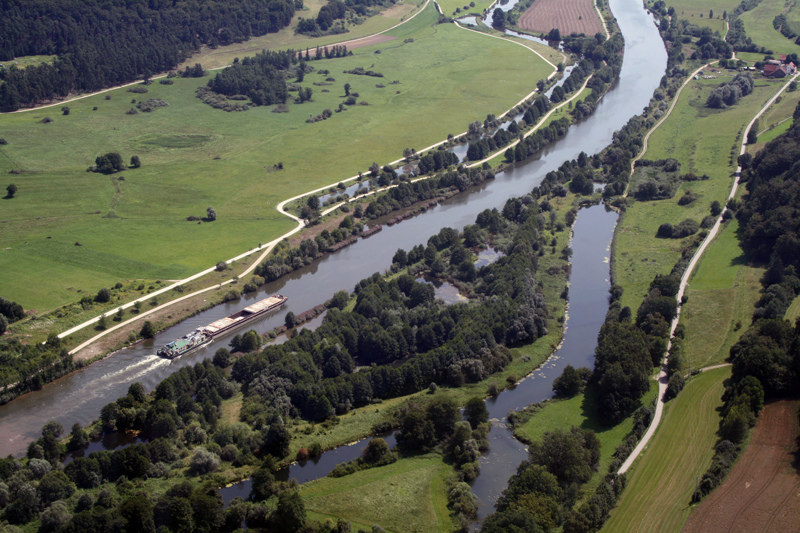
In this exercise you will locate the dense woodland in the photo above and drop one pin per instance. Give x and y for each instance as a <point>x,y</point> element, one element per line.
<point>102,44</point>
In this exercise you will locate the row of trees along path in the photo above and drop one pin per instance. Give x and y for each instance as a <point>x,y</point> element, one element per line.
<point>662,376</point>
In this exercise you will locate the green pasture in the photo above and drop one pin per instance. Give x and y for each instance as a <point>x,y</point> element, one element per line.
<point>697,12</point>
<point>194,157</point>
<point>409,495</point>
<point>450,7</point>
<point>27,61</point>
<point>758,26</point>
<point>287,38</point>
<point>581,411</point>
<point>793,312</point>
<point>660,485</point>
<point>721,297</point>
<point>701,139</point>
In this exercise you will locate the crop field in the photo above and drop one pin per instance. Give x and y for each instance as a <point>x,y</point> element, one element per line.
<point>69,230</point>
<point>758,26</point>
<point>701,139</point>
<point>721,301</point>
<point>697,13</point>
<point>661,483</point>
<point>409,495</point>
<point>566,15</point>
<point>760,492</point>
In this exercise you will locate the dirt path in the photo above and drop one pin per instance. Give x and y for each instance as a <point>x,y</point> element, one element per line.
<point>762,491</point>
<point>662,376</point>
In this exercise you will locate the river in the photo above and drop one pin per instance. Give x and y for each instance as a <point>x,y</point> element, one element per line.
<point>79,397</point>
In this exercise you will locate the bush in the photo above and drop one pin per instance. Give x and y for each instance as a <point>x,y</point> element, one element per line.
<point>675,385</point>
<point>221,265</point>
<point>204,462</point>
<point>103,296</point>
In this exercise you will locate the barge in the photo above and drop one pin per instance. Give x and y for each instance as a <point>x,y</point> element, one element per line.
<point>205,335</point>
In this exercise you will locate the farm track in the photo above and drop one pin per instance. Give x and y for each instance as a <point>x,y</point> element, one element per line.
<point>761,491</point>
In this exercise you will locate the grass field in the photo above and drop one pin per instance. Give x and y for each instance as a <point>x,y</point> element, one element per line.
<point>27,61</point>
<point>409,495</point>
<point>661,483</point>
<point>194,156</point>
<point>701,139</point>
<point>581,411</point>
<point>794,311</point>
<point>721,295</point>
<point>287,38</point>
<point>697,12</point>
<point>758,26</point>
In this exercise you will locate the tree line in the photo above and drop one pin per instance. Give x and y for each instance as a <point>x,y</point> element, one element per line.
<point>102,44</point>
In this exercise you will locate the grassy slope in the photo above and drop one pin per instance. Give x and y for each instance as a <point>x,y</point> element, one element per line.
<point>661,484</point>
<point>691,10</point>
<point>581,411</point>
<point>287,38</point>
<point>409,495</point>
<point>794,311</point>
<point>758,26</point>
<point>448,77</point>
<point>701,140</point>
<point>721,294</point>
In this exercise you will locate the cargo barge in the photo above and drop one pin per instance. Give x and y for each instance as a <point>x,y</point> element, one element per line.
<point>205,335</point>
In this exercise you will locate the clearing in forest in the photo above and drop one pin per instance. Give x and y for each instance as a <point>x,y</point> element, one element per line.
<point>567,15</point>
<point>761,491</point>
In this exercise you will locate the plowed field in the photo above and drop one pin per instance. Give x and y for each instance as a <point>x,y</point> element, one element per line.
<point>762,492</point>
<point>566,15</point>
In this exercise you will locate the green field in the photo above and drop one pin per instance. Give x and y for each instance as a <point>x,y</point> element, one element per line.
<point>697,12</point>
<point>287,38</point>
<point>758,26</point>
<point>194,156</point>
<point>721,295</point>
<point>409,495</point>
<point>662,481</point>
<point>794,311</point>
<point>701,139</point>
<point>581,411</point>
<point>27,61</point>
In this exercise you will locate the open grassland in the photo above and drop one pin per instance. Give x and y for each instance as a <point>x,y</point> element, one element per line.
<point>462,7</point>
<point>697,12</point>
<point>760,492</point>
<point>194,156</point>
<point>409,495</point>
<point>794,311</point>
<point>701,139</point>
<point>568,16</point>
<point>27,61</point>
<point>581,411</point>
<point>661,484</point>
<point>776,120</point>
<point>758,26</point>
<point>721,295</point>
<point>287,38</point>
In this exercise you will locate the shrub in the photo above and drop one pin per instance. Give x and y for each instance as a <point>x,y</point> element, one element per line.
<point>166,81</point>
<point>204,461</point>
<point>221,265</point>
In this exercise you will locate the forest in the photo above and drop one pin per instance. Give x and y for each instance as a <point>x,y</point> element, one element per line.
<point>102,44</point>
